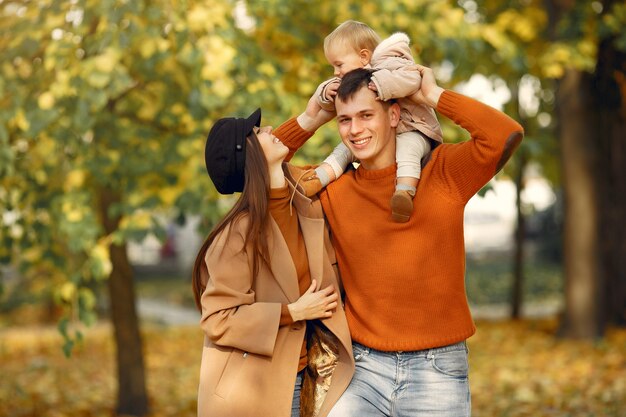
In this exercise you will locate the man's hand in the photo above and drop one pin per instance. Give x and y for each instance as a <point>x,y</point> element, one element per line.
<point>429,92</point>
<point>314,116</point>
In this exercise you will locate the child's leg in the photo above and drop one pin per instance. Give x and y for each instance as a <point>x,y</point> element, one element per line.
<point>334,165</point>
<point>329,170</point>
<point>410,148</point>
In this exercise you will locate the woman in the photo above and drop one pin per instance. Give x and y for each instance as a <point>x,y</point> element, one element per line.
<point>263,276</point>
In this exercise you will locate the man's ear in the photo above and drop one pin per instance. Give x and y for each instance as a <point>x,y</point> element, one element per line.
<point>394,114</point>
<point>365,56</point>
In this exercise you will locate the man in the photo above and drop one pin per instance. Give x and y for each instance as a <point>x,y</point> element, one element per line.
<point>405,297</point>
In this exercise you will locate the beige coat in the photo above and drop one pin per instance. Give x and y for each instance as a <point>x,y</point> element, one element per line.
<point>249,362</point>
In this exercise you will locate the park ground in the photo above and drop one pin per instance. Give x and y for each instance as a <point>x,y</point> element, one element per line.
<point>517,368</point>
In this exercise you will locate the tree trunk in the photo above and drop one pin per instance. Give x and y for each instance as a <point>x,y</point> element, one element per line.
<point>132,398</point>
<point>609,87</point>
<point>517,296</point>
<point>582,315</point>
<point>521,160</point>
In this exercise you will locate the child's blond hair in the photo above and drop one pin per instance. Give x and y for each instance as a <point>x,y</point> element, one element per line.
<point>355,34</point>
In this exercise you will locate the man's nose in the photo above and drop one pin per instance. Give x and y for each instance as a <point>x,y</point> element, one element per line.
<point>355,127</point>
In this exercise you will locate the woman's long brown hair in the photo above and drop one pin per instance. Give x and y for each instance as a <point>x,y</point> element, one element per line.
<point>254,201</point>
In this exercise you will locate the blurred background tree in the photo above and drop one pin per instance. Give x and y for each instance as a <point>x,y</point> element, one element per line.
<point>104,107</point>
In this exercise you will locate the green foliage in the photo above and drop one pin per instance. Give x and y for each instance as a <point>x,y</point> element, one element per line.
<point>108,96</point>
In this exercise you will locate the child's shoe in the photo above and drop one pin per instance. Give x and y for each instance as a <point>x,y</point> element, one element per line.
<point>306,179</point>
<point>401,206</point>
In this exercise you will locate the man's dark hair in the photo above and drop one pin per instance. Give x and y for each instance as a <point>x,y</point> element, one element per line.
<point>353,81</point>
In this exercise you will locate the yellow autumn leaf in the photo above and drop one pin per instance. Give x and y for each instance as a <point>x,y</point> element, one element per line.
<point>21,121</point>
<point>16,231</point>
<point>45,146</point>
<point>148,47</point>
<point>107,61</point>
<point>148,110</point>
<point>75,179</point>
<point>140,219</point>
<point>217,58</point>
<point>197,18</point>
<point>46,101</point>
<point>67,291</point>
<point>41,176</point>
<point>25,69</point>
<point>74,215</point>
<point>168,195</point>
<point>31,254</point>
<point>266,68</point>
<point>100,254</point>
<point>114,155</point>
<point>178,109</point>
<point>494,36</point>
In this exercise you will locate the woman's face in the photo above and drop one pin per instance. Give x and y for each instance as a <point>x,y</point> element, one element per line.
<point>273,149</point>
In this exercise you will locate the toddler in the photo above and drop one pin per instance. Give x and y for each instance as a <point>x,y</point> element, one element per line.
<point>355,45</point>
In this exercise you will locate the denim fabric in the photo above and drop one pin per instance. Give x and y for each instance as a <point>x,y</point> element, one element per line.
<point>295,404</point>
<point>425,383</point>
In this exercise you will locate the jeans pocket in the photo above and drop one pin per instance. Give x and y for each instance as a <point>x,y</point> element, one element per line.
<point>452,363</point>
<point>359,351</point>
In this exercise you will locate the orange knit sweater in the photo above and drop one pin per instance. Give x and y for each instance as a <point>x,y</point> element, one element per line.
<point>405,282</point>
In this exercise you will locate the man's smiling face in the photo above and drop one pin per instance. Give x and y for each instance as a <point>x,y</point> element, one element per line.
<point>366,127</point>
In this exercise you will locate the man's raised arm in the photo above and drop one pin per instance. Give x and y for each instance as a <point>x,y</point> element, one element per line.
<point>297,130</point>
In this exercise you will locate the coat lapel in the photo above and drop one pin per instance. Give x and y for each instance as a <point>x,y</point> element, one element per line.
<point>282,264</point>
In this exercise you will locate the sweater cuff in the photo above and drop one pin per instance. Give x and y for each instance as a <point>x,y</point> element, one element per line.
<point>448,102</point>
<point>292,136</point>
<point>285,315</point>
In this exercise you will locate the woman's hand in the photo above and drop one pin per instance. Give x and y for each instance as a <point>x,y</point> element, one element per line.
<point>314,304</point>
<point>429,92</point>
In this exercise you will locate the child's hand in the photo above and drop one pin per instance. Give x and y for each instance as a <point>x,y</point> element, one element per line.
<point>331,90</point>
<point>372,87</point>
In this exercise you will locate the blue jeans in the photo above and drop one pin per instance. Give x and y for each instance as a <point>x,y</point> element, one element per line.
<point>295,404</point>
<point>424,383</point>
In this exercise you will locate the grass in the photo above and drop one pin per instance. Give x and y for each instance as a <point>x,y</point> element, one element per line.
<point>490,280</point>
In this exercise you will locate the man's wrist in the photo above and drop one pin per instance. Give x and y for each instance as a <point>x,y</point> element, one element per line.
<point>433,96</point>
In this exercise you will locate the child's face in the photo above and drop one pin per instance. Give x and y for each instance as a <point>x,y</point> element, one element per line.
<point>344,59</point>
